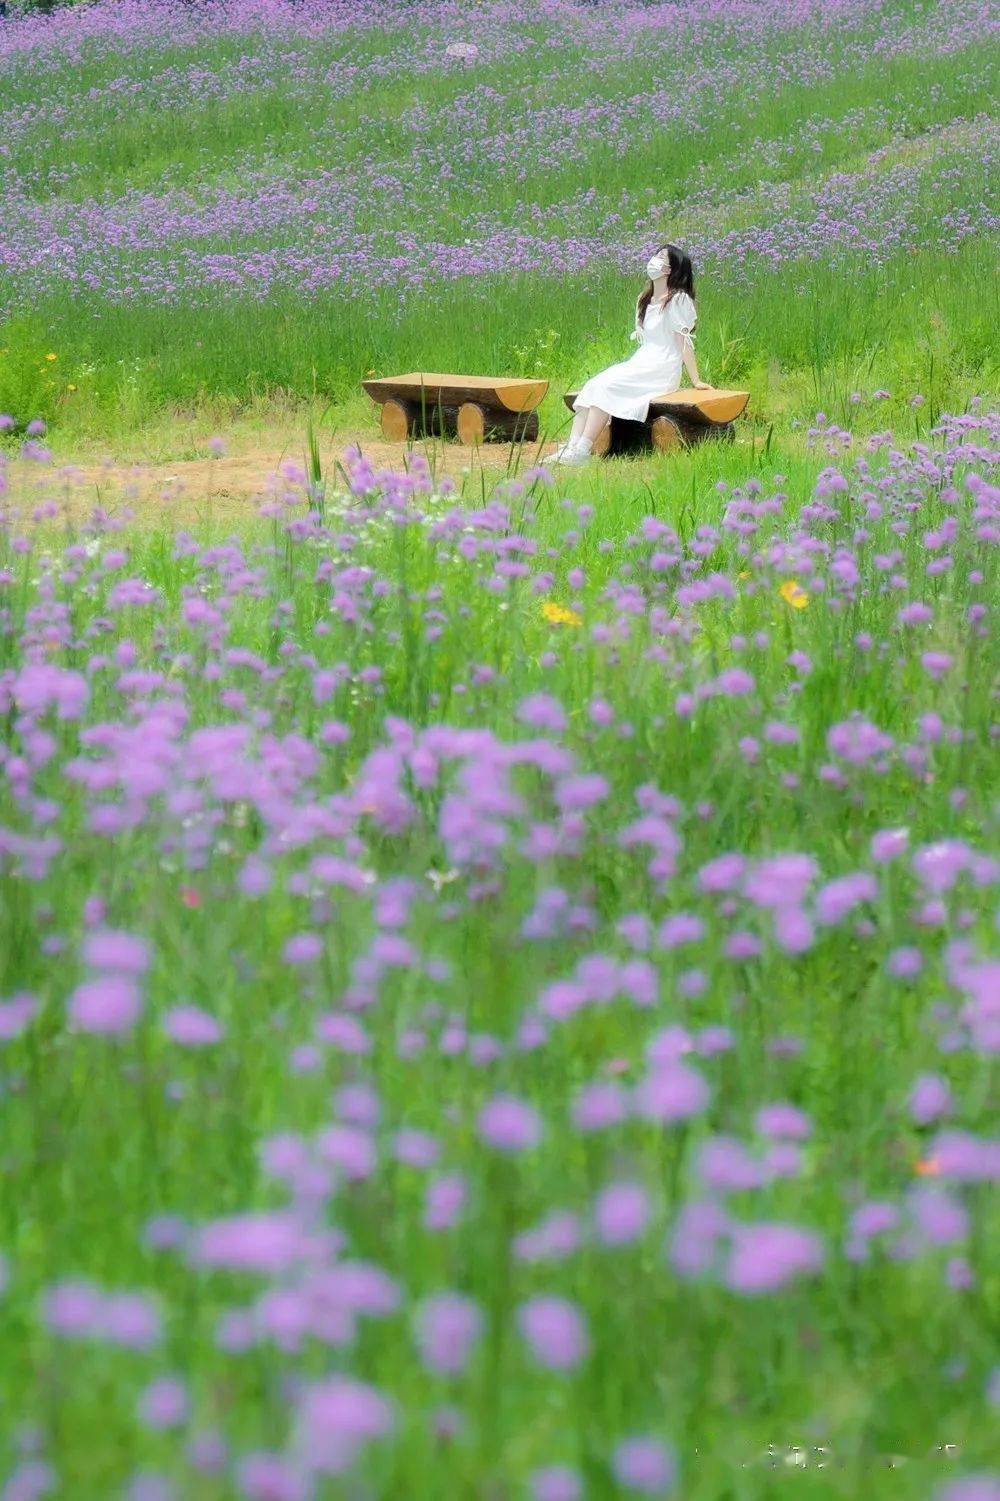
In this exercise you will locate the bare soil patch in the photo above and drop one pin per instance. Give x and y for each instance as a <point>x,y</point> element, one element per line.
<point>234,483</point>
<point>256,465</point>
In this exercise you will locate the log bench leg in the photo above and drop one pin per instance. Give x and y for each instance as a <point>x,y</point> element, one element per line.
<point>665,434</point>
<point>478,423</point>
<point>471,422</point>
<point>396,420</point>
<point>661,434</point>
<point>402,419</point>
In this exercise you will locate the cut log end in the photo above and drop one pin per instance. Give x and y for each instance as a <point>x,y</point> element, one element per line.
<point>665,434</point>
<point>395,421</point>
<point>477,423</point>
<point>471,423</point>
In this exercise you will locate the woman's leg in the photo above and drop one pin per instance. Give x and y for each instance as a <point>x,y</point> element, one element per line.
<point>574,435</point>
<point>597,418</point>
<point>587,423</point>
<point>579,418</point>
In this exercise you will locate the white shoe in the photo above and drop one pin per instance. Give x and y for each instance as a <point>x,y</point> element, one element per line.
<point>577,456</point>
<point>560,453</point>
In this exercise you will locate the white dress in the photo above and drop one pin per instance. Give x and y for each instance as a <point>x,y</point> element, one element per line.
<point>626,389</point>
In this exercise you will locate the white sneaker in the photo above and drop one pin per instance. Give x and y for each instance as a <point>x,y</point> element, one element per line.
<point>577,456</point>
<point>560,453</point>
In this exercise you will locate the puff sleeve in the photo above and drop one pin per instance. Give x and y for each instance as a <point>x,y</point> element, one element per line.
<point>682,318</point>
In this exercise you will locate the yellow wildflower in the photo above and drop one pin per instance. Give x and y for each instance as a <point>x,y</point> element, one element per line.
<point>744,573</point>
<point>794,595</point>
<point>51,356</point>
<point>560,615</point>
<point>71,387</point>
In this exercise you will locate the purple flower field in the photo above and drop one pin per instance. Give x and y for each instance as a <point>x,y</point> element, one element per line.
<point>185,248</point>
<point>503,1000</point>
<point>312,184</point>
<point>499,967</point>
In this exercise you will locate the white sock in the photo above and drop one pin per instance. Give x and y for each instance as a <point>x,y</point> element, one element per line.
<point>584,444</point>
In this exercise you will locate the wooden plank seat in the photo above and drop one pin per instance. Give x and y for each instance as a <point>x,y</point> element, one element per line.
<point>471,408</point>
<point>675,420</point>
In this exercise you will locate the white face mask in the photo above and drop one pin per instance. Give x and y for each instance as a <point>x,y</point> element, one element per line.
<point>654,266</point>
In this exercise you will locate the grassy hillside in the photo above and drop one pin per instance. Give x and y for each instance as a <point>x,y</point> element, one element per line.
<point>227,203</point>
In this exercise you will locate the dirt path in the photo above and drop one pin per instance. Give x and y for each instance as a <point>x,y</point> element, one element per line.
<point>233,483</point>
<point>256,464</point>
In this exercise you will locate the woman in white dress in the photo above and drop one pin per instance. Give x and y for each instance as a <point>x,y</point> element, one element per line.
<point>664,317</point>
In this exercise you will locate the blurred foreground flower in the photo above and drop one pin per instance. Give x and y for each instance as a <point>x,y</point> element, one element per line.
<point>767,1256</point>
<point>644,1465</point>
<point>108,1004</point>
<point>560,615</point>
<point>793,594</point>
<point>556,1332</point>
<point>982,1487</point>
<point>337,1418</point>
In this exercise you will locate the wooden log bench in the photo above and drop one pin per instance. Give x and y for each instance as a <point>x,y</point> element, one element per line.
<point>675,420</point>
<point>472,408</point>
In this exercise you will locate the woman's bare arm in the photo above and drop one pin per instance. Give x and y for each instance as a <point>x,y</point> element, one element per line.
<point>690,363</point>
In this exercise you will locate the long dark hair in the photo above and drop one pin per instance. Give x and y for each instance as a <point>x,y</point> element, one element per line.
<point>680,278</point>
